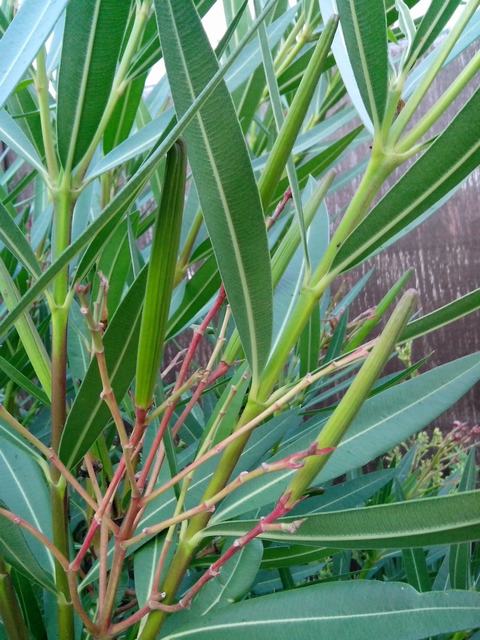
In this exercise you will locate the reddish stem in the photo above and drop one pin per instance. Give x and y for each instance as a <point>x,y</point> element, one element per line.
<point>180,380</point>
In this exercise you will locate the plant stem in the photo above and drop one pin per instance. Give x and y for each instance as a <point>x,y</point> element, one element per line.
<point>10,611</point>
<point>353,399</point>
<point>441,105</point>
<point>64,202</point>
<point>41,85</point>
<point>445,49</point>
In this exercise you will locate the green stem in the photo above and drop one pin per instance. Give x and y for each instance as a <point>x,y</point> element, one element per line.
<point>64,202</point>
<point>188,247</point>
<point>379,168</point>
<point>10,611</point>
<point>340,420</point>
<point>415,99</point>
<point>441,105</point>
<point>41,84</point>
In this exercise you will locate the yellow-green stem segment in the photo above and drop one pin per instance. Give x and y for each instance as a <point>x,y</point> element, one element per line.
<point>342,417</point>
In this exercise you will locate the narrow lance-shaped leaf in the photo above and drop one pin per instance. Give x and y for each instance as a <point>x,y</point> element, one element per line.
<point>414,523</point>
<point>23,39</point>
<point>161,273</point>
<point>365,32</point>
<point>452,157</point>
<point>292,124</point>
<point>359,609</point>
<point>460,554</point>
<point>223,176</point>
<point>435,19</point>
<point>122,200</point>
<point>25,492</point>
<point>384,421</point>
<point>13,136</point>
<point>27,331</point>
<point>414,560</point>
<point>13,238</point>
<point>92,39</point>
<point>369,325</point>
<point>438,318</point>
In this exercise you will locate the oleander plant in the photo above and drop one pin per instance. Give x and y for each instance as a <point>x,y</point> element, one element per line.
<point>201,436</point>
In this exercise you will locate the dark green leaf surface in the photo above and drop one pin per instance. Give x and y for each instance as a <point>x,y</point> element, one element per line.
<point>443,316</point>
<point>435,19</point>
<point>223,176</point>
<point>384,420</point>
<point>365,32</point>
<point>460,554</point>
<point>91,44</point>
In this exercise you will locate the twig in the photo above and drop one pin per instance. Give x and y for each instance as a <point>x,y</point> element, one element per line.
<point>61,559</point>
<point>180,380</point>
<point>281,402</point>
<point>293,461</point>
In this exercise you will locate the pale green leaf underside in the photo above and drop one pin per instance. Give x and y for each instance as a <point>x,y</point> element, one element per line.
<point>360,610</point>
<point>23,39</point>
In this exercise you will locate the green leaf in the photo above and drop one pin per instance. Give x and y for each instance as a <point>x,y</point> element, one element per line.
<point>416,569</point>
<point>444,315</point>
<point>92,40</point>
<point>139,142</point>
<point>145,564</point>
<point>29,604</point>
<point>364,35</point>
<point>24,491</point>
<point>17,553</point>
<point>27,331</point>
<point>230,586</point>
<point>89,413</point>
<point>413,523</point>
<point>123,199</point>
<point>384,420</point>
<point>460,554</point>
<point>24,109</point>
<point>22,381</point>
<point>13,136</point>
<point>13,238</point>
<point>123,116</point>
<point>359,610</point>
<point>161,274</point>
<point>22,40</point>
<point>224,177</point>
<point>453,156</point>
<point>435,19</point>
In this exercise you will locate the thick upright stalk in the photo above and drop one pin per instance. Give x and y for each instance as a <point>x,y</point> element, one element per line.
<point>61,239</point>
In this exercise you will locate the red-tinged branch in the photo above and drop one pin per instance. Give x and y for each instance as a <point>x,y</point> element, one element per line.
<point>265,524</point>
<point>287,196</point>
<point>277,405</point>
<point>293,461</point>
<point>179,382</point>
<point>53,458</point>
<point>58,555</point>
